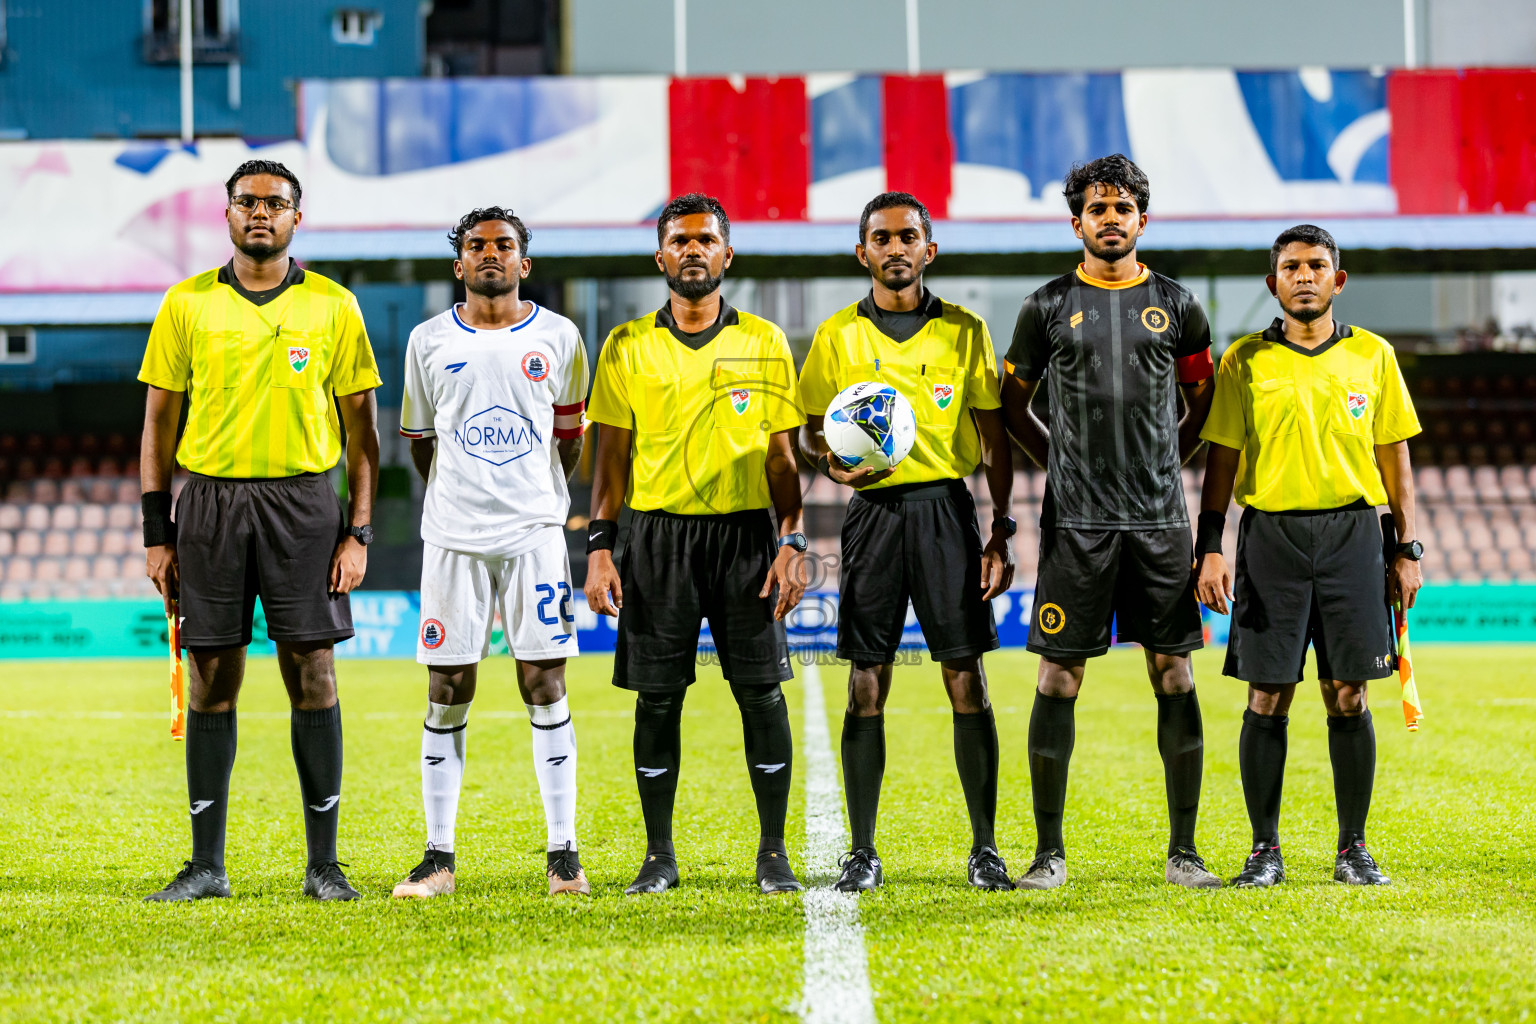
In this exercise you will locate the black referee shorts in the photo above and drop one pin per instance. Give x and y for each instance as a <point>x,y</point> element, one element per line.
<point>678,570</point>
<point>273,538</point>
<point>1141,580</point>
<point>1313,576</point>
<point>917,543</point>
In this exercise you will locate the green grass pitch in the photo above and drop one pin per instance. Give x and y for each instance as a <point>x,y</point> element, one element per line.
<point>93,807</point>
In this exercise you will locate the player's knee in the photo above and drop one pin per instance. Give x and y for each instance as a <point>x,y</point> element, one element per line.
<point>1271,700</point>
<point>967,686</point>
<point>1170,675</point>
<point>866,696</point>
<point>660,704</point>
<point>541,683</point>
<point>758,700</point>
<point>1343,699</point>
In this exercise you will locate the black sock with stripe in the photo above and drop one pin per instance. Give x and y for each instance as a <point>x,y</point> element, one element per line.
<point>658,754</point>
<point>211,740</point>
<point>316,737</point>
<point>1261,759</point>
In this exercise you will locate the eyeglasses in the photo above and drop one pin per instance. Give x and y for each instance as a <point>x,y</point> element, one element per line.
<point>275,204</point>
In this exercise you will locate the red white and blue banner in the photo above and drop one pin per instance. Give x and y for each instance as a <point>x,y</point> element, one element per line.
<point>388,164</point>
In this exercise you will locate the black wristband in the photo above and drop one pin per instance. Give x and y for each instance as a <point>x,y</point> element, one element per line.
<point>158,527</point>
<point>1208,533</point>
<point>602,534</point>
<point>824,464</point>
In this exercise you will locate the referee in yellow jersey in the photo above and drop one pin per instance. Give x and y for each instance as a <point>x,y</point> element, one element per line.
<point>264,353</point>
<point>697,403</point>
<point>911,532</point>
<point>1310,424</point>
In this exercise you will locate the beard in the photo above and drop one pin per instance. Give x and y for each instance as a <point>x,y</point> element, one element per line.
<point>491,287</point>
<point>260,251</point>
<point>896,278</point>
<point>1111,252</point>
<point>1307,314</point>
<point>694,288</point>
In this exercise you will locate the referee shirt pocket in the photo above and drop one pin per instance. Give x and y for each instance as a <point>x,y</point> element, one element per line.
<point>656,411</point>
<point>1349,407</point>
<point>295,360</point>
<point>217,359</point>
<point>1274,407</point>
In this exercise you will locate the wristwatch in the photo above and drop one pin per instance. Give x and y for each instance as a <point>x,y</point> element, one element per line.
<point>363,534</point>
<point>1411,549</point>
<point>1006,525</point>
<point>794,540</point>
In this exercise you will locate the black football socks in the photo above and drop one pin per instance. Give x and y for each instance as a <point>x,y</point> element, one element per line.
<point>976,761</point>
<point>1261,760</point>
<point>1181,742</point>
<point>1352,749</point>
<point>770,757</point>
<point>1052,734</point>
<point>863,750</point>
<point>658,752</point>
<point>316,739</point>
<point>210,758</point>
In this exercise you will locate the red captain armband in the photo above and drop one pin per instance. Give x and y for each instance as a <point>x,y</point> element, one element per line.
<point>569,422</point>
<point>1195,367</point>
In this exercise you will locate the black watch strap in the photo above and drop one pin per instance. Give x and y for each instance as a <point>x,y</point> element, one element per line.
<point>362,534</point>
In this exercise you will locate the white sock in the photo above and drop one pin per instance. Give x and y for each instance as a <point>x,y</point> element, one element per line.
<point>554,762</point>
<point>443,741</point>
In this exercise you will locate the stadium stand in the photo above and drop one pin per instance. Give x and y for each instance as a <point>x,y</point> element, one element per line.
<point>69,515</point>
<point>69,518</point>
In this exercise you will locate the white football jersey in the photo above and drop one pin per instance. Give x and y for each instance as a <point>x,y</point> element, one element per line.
<point>496,401</point>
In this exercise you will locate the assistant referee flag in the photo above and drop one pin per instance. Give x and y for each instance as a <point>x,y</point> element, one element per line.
<point>261,380</point>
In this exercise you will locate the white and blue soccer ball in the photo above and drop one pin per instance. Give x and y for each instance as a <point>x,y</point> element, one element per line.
<point>870,424</point>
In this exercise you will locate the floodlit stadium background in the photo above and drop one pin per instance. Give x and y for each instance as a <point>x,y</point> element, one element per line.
<point>1407,127</point>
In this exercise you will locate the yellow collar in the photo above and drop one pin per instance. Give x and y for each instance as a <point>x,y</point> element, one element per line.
<point>1114,285</point>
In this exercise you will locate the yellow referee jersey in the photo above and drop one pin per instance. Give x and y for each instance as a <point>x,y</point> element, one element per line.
<point>702,408</point>
<point>1307,422</point>
<point>947,368</point>
<point>260,370</point>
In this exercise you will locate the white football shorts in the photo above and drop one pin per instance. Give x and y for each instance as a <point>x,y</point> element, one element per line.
<point>460,594</point>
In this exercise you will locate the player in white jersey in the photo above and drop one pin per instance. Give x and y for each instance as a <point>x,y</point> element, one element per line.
<point>494,392</point>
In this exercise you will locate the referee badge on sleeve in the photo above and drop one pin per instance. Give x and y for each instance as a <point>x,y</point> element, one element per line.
<point>1356,403</point>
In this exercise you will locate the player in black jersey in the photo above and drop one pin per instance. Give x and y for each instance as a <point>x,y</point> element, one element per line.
<point>1112,338</point>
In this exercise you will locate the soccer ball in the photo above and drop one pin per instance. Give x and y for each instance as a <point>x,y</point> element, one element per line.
<point>870,424</point>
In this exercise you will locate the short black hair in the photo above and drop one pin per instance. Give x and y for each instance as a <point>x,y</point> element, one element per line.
<point>686,206</point>
<point>890,201</point>
<point>271,167</point>
<point>1308,234</point>
<point>480,216</point>
<point>1116,170</point>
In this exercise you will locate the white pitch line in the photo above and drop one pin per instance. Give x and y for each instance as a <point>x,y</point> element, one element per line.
<point>836,979</point>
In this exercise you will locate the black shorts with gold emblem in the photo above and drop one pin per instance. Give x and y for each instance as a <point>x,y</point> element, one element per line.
<point>1140,583</point>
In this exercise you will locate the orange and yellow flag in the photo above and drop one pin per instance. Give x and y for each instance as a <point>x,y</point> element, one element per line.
<point>1413,711</point>
<point>178,674</point>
